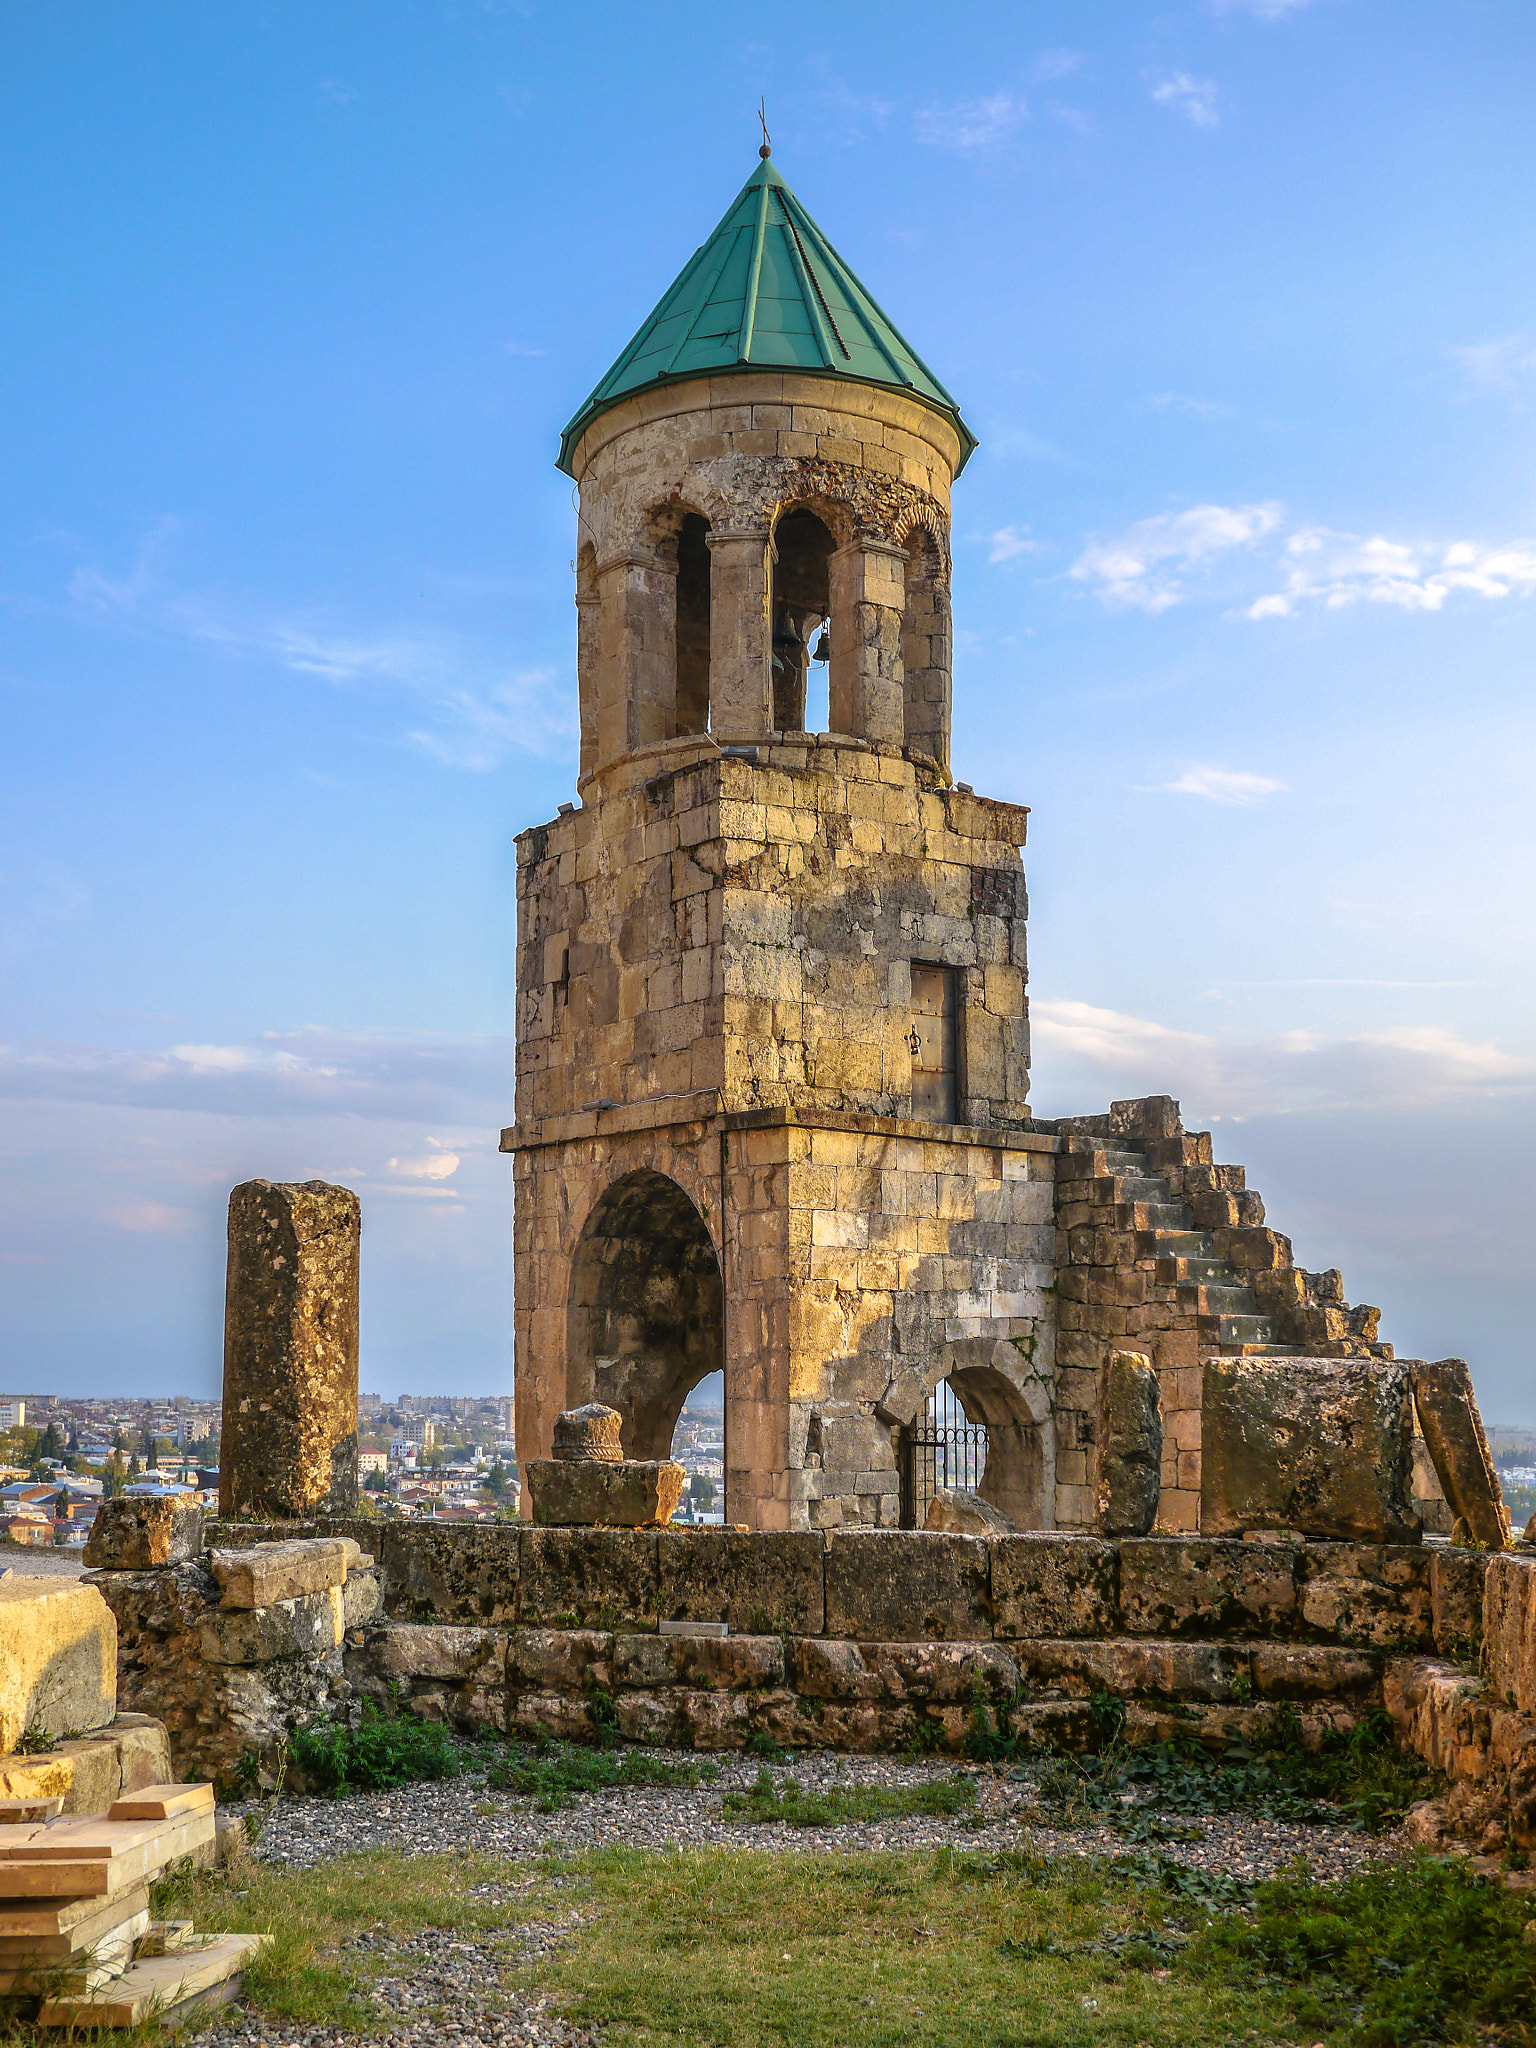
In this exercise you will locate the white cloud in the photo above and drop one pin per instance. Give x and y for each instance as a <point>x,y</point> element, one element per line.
<point>973,124</point>
<point>1141,565</point>
<point>1287,1074</point>
<point>1195,98</point>
<point>337,91</point>
<point>436,1164</point>
<point>1051,64</point>
<point>1223,785</point>
<point>1007,544</point>
<point>1339,569</point>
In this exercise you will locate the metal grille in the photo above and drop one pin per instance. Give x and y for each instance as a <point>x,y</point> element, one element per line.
<point>941,1452</point>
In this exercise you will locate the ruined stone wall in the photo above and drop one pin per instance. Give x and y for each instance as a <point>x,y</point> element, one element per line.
<point>864,1640</point>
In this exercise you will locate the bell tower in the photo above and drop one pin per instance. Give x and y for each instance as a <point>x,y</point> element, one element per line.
<point>772,1029</point>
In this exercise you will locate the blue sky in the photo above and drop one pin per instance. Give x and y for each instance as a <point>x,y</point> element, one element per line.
<point>1239,300</point>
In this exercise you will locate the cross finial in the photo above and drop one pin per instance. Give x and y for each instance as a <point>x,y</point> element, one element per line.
<point>762,114</point>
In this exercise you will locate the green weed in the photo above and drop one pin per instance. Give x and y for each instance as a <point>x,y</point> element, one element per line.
<point>769,1799</point>
<point>383,1751</point>
<point>553,1775</point>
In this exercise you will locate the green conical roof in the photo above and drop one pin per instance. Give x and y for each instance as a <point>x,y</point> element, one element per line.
<point>767,292</point>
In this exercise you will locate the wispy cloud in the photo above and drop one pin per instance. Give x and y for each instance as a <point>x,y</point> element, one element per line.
<point>479,712</point>
<point>1054,64</point>
<point>338,92</point>
<point>151,1219</point>
<point>1293,1072</point>
<point>1338,569</point>
<point>1194,98</point>
<point>1261,10</point>
<point>1008,543</point>
<point>971,124</point>
<point>1223,785</point>
<point>1505,367</point>
<point>282,1074</point>
<point>1202,408</point>
<point>1143,565</point>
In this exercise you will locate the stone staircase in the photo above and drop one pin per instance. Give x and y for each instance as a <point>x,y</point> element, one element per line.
<point>1181,1242</point>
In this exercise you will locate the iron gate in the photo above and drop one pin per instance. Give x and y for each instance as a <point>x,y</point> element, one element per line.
<point>942,1452</point>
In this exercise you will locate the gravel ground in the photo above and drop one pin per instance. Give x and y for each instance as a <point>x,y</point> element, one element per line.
<point>463,1814</point>
<point>446,1991</point>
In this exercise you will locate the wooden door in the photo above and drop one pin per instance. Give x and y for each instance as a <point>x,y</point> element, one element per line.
<point>932,1041</point>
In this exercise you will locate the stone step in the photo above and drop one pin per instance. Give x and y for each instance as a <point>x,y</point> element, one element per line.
<point>1178,1244</point>
<point>1222,1299</point>
<point>1152,1216</point>
<point>1229,1330</point>
<point>1182,1266</point>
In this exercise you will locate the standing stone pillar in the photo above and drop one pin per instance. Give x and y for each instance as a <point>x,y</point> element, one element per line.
<point>638,702</point>
<point>589,658</point>
<point>289,1443</point>
<point>740,697</point>
<point>865,686</point>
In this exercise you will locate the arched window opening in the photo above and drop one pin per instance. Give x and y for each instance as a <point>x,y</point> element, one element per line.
<point>926,650</point>
<point>645,1318</point>
<point>801,607</point>
<point>692,639</point>
<point>698,1445</point>
<point>974,1435</point>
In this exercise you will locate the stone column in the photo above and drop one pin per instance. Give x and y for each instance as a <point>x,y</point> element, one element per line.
<point>926,652</point>
<point>740,699</point>
<point>866,680</point>
<point>637,701</point>
<point>589,675</point>
<point>289,1443</point>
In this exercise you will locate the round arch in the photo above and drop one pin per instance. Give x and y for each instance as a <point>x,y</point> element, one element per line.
<point>645,1315</point>
<point>995,1384</point>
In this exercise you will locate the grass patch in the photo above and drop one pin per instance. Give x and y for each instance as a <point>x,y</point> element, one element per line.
<point>1362,1781</point>
<point>1393,1957</point>
<point>383,1751</point>
<point>554,1774</point>
<point>770,1799</point>
<point>747,1949</point>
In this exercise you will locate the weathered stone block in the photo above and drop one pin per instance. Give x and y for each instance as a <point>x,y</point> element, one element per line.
<point>290,1352</point>
<point>729,1663</point>
<point>1372,1594</point>
<point>58,1657</point>
<point>560,1659</point>
<point>588,1578</point>
<point>268,1572</point>
<point>1317,1445</point>
<point>1052,1584</point>
<point>589,1432</point>
<point>310,1626</point>
<point>1510,1631</point>
<point>1130,1667</point>
<point>1453,1434</point>
<point>828,1670</point>
<point>408,1650</point>
<point>957,1513</point>
<point>1295,1671</point>
<point>764,1580</point>
<point>362,1600</point>
<point>450,1574</point>
<point>1128,1446</point>
<point>141,1532</point>
<point>637,1493</point>
<point>1196,1587</point>
<point>903,1585</point>
<point>1456,1581</point>
<point>89,1774</point>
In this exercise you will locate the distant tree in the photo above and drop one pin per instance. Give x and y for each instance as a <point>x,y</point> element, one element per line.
<point>150,1458</point>
<point>133,1466</point>
<point>52,1445</point>
<point>74,1438</point>
<point>119,1442</point>
<point>61,1505</point>
<point>495,1481</point>
<point>702,1490</point>
<point>113,1477</point>
<point>376,1483</point>
<point>39,1475</point>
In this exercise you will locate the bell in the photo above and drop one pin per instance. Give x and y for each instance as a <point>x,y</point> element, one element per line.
<point>822,651</point>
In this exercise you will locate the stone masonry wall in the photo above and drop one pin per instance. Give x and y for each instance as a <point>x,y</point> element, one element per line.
<point>853,1641</point>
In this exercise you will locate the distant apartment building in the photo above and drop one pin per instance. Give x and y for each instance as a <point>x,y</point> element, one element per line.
<point>13,1413</point>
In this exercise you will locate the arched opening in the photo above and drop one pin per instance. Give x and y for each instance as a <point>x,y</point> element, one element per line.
<point>926,650</point>
<point>802,553</point>
<point>692,637</point>
<point>975,1434</point>
<point>645,1319</point>
<point>589,644</point>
